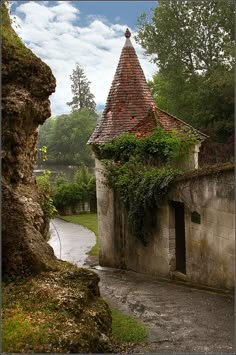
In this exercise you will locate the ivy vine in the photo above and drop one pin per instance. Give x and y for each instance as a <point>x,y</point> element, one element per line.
<point>156,149</point>
<point>141,170</point>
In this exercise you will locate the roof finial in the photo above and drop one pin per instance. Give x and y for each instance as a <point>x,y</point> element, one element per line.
<point>127,33</point>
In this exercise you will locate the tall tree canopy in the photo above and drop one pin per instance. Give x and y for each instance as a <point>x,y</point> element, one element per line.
<point>82,97</point>
<point>66,138</point>
<point>192,43</point>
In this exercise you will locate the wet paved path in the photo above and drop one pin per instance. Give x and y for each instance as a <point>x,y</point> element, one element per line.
<point>178,318</point>
<point>72,241</point>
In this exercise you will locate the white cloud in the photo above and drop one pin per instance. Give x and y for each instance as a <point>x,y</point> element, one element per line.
<point>54,34</point>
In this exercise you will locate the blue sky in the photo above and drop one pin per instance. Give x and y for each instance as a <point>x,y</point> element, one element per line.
<point>88,32</point>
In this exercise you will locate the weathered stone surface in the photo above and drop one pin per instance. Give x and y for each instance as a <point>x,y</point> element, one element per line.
<point>27,84</point>
<point>209,245</point>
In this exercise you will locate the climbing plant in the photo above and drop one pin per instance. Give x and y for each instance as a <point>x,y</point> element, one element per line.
<point>160,147</point>
<point>141,170</point>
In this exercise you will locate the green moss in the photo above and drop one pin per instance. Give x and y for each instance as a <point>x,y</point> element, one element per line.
<point>11,39</point>
<point>90,221</point>
<point>56,312</point>
<point>19,329</point>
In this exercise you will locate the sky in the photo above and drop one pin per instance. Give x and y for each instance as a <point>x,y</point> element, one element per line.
<point>91,33</point>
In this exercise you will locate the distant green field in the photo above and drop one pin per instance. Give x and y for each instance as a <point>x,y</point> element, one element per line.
<point>90,221</point>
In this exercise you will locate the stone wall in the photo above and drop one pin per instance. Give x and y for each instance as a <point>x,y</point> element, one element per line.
<point>81,207</point>
<point>209,227</point>
<point>105,209</point>
<point>209,244</point>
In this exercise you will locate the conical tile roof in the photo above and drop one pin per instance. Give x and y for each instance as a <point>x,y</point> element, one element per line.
<point>130,106</point>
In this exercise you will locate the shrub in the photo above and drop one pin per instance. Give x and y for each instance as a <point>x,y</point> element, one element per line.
<point>82,189</point>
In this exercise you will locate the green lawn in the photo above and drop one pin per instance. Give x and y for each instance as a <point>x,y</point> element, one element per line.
<point>90,221</point>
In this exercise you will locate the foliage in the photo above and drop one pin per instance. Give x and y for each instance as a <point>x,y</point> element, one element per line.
<point>46,192</point>
<point>43,153</point>
<point>126,328</point>
<point>66,138</point>
<point>68,194</point>
<point>82,176</point>
<point>161,146</point>
<point>82,189</point>
<point>90,221</point>
<point>192,43</point>
<point>201,34</point>
<point>141,189</point>
<point>141,170</point>
<point>82,97</point>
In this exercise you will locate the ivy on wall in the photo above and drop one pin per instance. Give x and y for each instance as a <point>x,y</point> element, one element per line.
<point>141,170</point>
<point>160,147</point>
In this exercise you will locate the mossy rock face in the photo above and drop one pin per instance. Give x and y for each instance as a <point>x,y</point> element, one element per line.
<point>21,66</point>
<point>56,306</point>
<point>27,83</point>
<point>69,307</point>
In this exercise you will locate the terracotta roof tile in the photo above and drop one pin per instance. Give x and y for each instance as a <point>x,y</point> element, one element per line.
<point>130,106</point>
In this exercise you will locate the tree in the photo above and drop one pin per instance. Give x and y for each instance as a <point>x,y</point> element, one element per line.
<point>66,138</point>
<point>192,43</point>
<point>82,97</point>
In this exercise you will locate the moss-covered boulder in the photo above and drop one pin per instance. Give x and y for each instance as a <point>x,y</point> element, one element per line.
<point>56,312</point>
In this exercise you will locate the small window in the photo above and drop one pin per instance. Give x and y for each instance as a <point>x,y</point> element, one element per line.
<point>195,217</point>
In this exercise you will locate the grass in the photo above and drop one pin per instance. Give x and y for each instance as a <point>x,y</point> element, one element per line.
<point>126,328</point>
<point>90,221</point>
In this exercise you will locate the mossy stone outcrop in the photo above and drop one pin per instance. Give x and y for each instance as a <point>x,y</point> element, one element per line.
<point>73,316</point>
<point>34,276</point>
<point>27,83</point>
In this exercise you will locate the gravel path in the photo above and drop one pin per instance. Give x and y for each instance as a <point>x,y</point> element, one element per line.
<point>178,318</point>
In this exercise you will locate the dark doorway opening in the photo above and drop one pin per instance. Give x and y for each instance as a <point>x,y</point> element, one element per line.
<point>180,249</point>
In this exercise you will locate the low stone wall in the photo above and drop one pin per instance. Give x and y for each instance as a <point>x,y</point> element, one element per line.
<point>208,200</point>
<point>82,207</point>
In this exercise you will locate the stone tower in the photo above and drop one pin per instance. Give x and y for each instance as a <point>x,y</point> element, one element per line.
<point>130,107</point>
